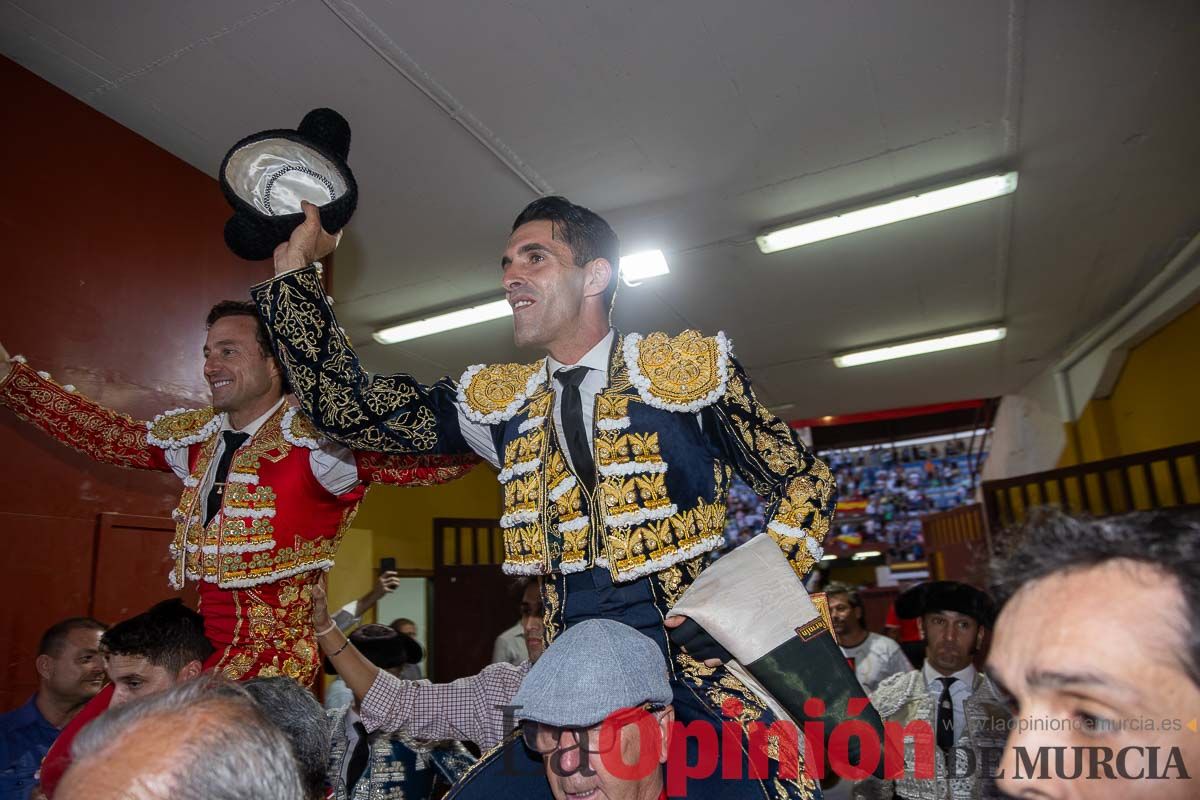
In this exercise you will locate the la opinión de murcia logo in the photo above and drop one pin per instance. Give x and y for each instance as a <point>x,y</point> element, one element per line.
<point>780,741</point>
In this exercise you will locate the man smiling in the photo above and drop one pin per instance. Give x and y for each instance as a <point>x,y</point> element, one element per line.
<point>264,502</point>
<point>615,451</point>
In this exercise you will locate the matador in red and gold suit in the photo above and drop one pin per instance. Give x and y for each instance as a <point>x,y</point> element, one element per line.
<point>287,499</point>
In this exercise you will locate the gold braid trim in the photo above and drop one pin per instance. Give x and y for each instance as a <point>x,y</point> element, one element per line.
<point>77,422</point>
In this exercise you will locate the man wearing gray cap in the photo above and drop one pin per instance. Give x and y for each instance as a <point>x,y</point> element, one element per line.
<point>587,704</point>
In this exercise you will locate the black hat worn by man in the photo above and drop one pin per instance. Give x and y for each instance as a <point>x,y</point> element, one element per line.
<point>932,596</point>
<point>967,714</point>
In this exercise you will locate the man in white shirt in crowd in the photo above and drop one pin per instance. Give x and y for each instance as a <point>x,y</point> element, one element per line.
<point>510,645</point>
<point>872,656</point>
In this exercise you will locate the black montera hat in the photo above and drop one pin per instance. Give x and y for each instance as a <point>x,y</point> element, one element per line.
<point>266,175</point>
<point>383,647</point>
<point>925,598</point>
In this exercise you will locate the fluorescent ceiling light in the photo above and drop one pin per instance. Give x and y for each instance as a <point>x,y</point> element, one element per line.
<point>863,555</point>
<point>830,557</point>
<point>886,213</point>
<point>945,437</point>
<point>444,322</point>
<point>634,269</point>
<point>637,267</point>
<point>921,347</point>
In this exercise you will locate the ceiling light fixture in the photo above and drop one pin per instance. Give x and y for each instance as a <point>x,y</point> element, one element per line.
<point>444,322</point>
<point>863,555</point>
<point>637,267</point>
<point>920,347</point>
<point>634,269</point>
<point>886,213</point>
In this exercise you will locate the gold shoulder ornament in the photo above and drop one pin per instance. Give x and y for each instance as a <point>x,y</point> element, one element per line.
<point>681,373</point>
<point>491,393</point>
<point>182,427</point>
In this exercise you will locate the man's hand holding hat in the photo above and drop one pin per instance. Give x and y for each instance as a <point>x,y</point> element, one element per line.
<point>309,242</point>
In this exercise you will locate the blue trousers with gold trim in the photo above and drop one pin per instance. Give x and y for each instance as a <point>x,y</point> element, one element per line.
<point>701,694</point>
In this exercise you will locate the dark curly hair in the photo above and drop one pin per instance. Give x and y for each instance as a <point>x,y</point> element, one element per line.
<point>1051,542</point>
<point>169,635</point>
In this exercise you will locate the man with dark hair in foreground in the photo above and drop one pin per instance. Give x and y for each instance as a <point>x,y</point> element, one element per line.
<point>143,655</point>
<point>70,672</point>
<point>155,650</point>
<point>1098,646</point>
<point>199,740</point>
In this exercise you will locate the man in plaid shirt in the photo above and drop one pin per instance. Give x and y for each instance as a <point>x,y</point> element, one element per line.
<point>472,709</point>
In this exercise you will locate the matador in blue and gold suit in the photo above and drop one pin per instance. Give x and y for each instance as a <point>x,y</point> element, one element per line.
<point>673,418</point>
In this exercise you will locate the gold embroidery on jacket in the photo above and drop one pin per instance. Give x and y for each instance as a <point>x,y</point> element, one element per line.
<point>665,538</point>
<point>494,388</point>
<point>551,610</point>
<point>180,425</point>
<point>682,369</point>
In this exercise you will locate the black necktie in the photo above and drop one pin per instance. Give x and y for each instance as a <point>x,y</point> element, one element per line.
<point>358,759</point>
<point>572,421</point>
<point>233,440</point>
<point>945,717</point>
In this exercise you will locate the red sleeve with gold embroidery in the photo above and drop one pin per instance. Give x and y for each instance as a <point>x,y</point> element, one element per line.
<point>401,470</point>
<point>77,422</point>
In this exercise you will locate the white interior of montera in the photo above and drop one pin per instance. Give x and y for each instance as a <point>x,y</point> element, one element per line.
<point>274,175</point>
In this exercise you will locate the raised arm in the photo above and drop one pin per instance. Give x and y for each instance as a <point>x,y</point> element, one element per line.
<point>471,709</point>
<point>74,420</point>
<point>384,413</point>
<point>798,487</point>
<point>388,414</point>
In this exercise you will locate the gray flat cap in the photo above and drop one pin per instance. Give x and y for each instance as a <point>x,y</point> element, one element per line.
<point>593,669</point>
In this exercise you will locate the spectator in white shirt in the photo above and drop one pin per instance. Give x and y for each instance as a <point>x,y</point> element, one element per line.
<point>872,656</point>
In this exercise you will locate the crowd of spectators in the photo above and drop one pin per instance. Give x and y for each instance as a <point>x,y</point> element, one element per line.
<point>883,492</point>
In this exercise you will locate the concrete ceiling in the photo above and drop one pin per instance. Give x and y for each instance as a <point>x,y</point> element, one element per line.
<point>691,125</point>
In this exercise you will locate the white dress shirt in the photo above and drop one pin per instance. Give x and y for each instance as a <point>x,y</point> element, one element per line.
<point>960,690</point>
<point>510,646</point>
<point>332,464</point>
<point>479,436</point>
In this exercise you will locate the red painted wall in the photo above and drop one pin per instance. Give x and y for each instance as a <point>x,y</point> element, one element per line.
<point>112,257</point>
